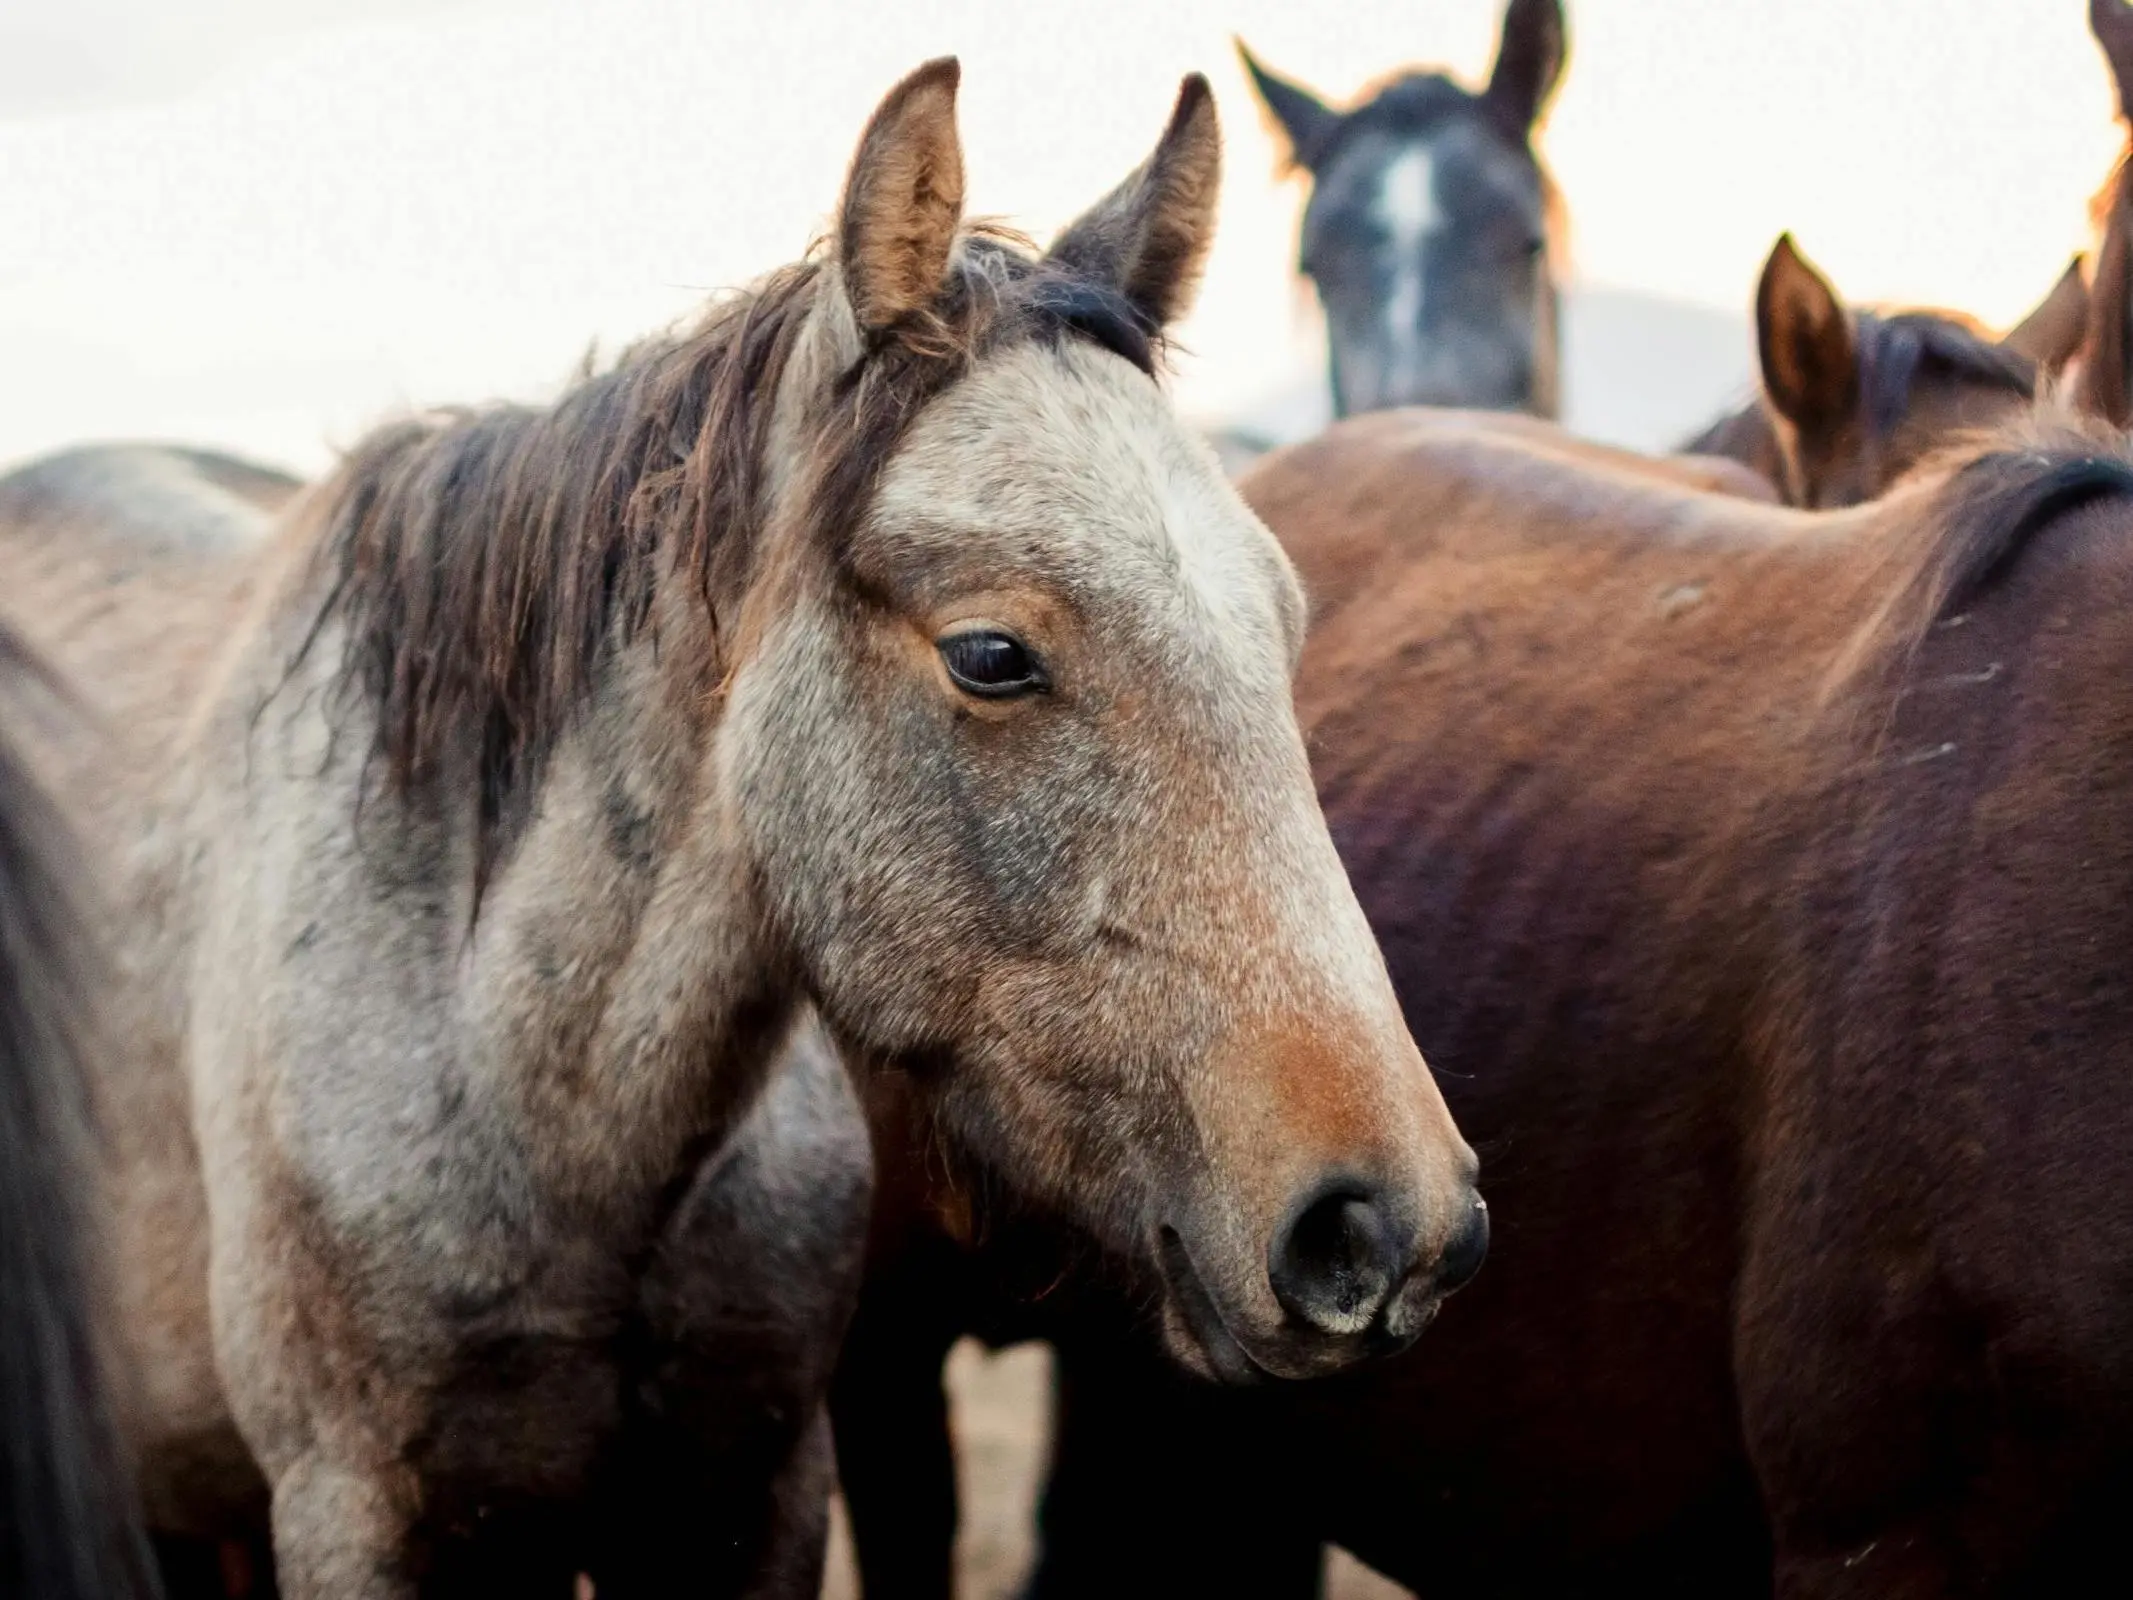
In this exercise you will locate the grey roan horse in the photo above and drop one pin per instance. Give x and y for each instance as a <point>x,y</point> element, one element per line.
<point>486,819</point>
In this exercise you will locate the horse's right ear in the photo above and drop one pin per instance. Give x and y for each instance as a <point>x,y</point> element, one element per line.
<point>2103,373</point>
<point>1803,337</point>
<point>2111,21</point>
<point>903,201</point>
<point>1305,121</point>
<point>1529,61</point>
<point>2051,333</point>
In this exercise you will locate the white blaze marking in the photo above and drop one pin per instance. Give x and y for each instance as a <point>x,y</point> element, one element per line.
<point>1407,210</point>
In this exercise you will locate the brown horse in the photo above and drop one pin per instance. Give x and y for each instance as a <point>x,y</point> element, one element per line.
<point>69,1522</point>
<point>1852,399</point>
<point>884,644</point>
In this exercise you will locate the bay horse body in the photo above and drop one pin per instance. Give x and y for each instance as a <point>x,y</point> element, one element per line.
<point>486,825</point>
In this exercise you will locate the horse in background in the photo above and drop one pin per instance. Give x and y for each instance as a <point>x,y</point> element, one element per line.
<point>1430,231</point>
<point>70,1522</point>
<point>1850,400</point>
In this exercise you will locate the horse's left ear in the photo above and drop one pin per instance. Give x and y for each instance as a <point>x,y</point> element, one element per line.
<point>1529,61</point>
<point>1803,337</point>
<point>2103,375</point>
<point>1150,236</point>
<point>2051,333</point>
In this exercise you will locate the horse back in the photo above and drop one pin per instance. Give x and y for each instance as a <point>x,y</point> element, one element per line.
<point>130,567</point>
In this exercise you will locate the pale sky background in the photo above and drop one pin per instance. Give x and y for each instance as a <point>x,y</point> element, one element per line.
<point>264,224</point>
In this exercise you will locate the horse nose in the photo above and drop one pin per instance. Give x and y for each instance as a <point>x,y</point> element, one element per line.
<point>1468,1249</point>
<point>1338,1259</point>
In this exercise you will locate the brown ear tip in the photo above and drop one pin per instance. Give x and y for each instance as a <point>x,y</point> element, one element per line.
<point>1195,95</point>
<point>942,72</point>
<point>1784,256</point>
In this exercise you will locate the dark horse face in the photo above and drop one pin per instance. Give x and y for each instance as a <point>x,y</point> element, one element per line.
<point>1426,233</point>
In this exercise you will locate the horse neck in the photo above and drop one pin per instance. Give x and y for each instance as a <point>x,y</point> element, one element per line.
<point>603,1015</point>
<point>631,990</point>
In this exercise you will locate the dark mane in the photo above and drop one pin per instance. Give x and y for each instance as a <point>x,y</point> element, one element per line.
<point>1895,348</point>
<point>1973,526</point>
<point>483,563</point>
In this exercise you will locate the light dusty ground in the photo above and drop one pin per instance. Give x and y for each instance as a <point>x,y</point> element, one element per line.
<point>999,1414</point>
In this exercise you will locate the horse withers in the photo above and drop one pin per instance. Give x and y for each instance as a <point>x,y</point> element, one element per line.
<point>882,643</point>
<point>1428,231</point>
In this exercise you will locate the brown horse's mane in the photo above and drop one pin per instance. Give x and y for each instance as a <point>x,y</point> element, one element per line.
<point>481,563</point>
<point>1985,501</point>
<point>1895,347</point>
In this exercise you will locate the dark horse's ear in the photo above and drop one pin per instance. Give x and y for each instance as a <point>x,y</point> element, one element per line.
<point>1306,123</point>
<point>903,201</point>
<point>1529,61</point>
<point>1803,336</point>
<point>1149,237</point>
<point>2103,374</point>
<point>2111,21</point>
<point>2051,333</point>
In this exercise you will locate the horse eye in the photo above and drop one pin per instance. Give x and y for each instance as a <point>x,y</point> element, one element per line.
<point>990,664</point>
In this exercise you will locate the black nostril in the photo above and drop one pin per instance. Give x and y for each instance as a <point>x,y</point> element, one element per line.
<point>1468,1249</point>
<point>1336,1261</point>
